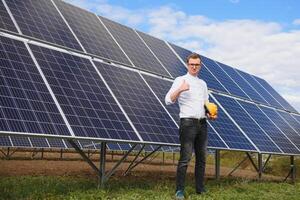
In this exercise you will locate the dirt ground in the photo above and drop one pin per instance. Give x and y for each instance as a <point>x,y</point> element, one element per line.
<point>71,165</point>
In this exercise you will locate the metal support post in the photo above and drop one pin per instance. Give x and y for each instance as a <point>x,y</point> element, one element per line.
<point>102,164</point>
<point>217,164</point>
<point>292,172</point>
<point>260,166</point>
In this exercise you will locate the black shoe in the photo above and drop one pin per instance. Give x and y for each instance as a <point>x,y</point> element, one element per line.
<point>202,191</point>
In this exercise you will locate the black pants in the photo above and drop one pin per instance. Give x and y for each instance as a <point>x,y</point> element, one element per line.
<point>193,135</point>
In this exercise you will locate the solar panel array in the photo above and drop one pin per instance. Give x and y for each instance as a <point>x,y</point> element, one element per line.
<point>48,91</point>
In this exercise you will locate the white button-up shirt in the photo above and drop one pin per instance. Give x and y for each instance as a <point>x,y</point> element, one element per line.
<point>191,102</point>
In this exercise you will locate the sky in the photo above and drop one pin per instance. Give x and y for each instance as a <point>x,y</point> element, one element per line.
<point>261,37</point>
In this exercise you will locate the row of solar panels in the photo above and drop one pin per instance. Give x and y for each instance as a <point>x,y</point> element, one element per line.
<point>63,24</point>
<point>102,101</point>
<point>50,92</point>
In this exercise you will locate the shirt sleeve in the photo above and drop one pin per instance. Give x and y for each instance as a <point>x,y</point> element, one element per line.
<point>206,96</point>
<point>174,87</point>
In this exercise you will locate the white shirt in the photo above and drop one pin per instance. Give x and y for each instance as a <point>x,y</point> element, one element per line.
<point>191,102</point>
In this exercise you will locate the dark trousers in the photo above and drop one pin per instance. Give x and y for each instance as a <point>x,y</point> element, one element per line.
<point>193,135</point>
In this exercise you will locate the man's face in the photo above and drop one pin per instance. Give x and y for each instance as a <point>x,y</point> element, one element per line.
<point>194,66</point>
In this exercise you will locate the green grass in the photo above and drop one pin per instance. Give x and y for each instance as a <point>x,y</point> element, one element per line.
<point>140,186</point>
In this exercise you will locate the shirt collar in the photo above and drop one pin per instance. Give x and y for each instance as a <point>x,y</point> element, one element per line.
<point>191,77</point>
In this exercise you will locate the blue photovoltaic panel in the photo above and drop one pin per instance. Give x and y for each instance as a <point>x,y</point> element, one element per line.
<point>5,20</point>
<point>273,92</point>
<point>4,141</point>
<point>56,143</point>
<point>250,128</point>
<point>249,78</point>
<point>39,142</point>
<point>284,127</point>
<point>165,55</point>
<point>40,19</point>
<point>292,121</point>
<point>297,117</point>
<point>223,77</point>
<point>26,104</point>
<point>85,100</point>
<point>160,88</point>
<point>91,33</point>
<point>268,126</point>
<point>204,74</point>
<point>232,136</point>
<point>242,83</point>
<point>20,141</point>
<point>134,47</point>
<point>144,110</point>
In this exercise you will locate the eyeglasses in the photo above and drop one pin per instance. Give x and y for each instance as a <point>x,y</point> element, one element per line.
<point>194,64</point>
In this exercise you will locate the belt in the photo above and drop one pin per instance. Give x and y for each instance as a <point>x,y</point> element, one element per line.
<point>194,120</point>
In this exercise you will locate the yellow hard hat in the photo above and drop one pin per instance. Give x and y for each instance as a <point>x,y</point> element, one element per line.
<point>211,108</point>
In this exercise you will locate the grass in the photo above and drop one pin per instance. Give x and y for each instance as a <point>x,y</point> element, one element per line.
<point>140,186</point>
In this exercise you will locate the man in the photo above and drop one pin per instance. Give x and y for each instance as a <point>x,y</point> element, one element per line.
<point>192,94</point>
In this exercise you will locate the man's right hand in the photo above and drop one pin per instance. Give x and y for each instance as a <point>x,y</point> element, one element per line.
<point>184,86</point>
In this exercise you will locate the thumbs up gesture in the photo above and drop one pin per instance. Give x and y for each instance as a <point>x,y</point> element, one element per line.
<point>184,86</point>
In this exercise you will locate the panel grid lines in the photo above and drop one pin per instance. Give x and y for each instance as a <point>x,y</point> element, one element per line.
<point>246,123</point>
<point>134,47</point>
<point>5,20</point>
<point>88,106</point>
<point>91,33</point>
<point>141,106</point>
<point>26,104</point>
<point>40,19</point>
<point>165,55</point>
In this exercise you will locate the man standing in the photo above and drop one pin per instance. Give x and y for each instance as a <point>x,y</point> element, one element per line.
<point>192,94</point>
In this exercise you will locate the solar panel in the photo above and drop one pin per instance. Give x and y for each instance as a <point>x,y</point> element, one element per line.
<point>246,123</point>
<point>291,121</point>
<point>297,117</point>
<point>88,105</point>
<point>91,33</point>
<point>26,104</point>
<point>225,80</point>
<point>160,88</point>
<point>134,48</point>
<point>5,141</point>
<point>211,81</point>
<point>20,141</point>
<point>268,126</point>
<point>229,132</point>
<point>259,89</point>
<point>280,123</point>
<point>165,55</point>
<point>40,19</point>
<point>274,94</point>
<point>144,110</point>
<point>242,83</point>
<point>5,20</point>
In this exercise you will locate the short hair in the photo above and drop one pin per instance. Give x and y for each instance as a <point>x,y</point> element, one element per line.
<point>193,56</point>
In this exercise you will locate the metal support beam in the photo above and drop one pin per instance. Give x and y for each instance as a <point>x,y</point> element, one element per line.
<point>83,155</point>
<point>252,161</point>
<point>292,172</point>
<point>236,167</point>
<point>136,157</point>
<point>266,162</point>
<point>8,153</point>
<point>102,164</point>
<point>217,164</point>
<point>260,166</point>
<point>112,171</point>
<point>148,155</point>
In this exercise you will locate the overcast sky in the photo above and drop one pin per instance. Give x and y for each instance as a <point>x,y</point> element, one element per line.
<point>261,37</point>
